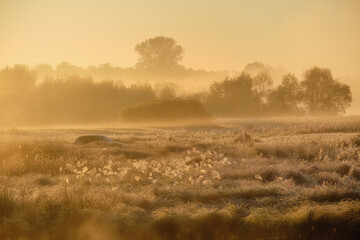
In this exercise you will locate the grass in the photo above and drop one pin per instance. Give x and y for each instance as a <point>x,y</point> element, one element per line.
<point>274,180</point>
<point>343,169</point>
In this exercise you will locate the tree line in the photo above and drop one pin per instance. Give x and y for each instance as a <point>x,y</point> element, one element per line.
<point>70,99</point>
<point>74,98</point>
<point>319,93</point>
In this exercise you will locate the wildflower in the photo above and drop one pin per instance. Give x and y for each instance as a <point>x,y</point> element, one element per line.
<point>109,165</point>
<point>215,175</point>
<point>205,182</point>
<point>258,177</point>
<point>80,164</point>
<point>124,171</point>
<point>199,179</point>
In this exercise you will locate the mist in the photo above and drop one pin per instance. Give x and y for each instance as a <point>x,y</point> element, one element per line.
<point>104,44</point>
<point>158,120</point>
<point>69,94</point>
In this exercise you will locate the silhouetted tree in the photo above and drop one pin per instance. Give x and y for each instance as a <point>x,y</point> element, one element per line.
<point>322,94</point>
<point>43,71</point>
<point>167,93</point>
<point>286,97</point>
<point>16,80</point>
<point>255,68</point>
<point>159,53</point>
<point>17,92</point>
<point>67,69</point>
<point>262,84</point>
<point>233,97</point>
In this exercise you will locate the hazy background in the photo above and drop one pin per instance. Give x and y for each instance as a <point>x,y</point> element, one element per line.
<point>216,35</point>
<point>226,35</point>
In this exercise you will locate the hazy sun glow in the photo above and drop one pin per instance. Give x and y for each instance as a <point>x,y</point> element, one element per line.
<point>216,35</point>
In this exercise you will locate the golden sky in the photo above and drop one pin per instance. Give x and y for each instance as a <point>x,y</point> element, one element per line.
<point>216,35</point>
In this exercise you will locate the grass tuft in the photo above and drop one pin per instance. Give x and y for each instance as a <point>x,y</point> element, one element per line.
<point>343,169</point>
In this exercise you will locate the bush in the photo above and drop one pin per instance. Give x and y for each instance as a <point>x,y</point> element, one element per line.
<point>269,175</point>
<point>174,110</point>
<point>356,174</point>
<point>297,177</point>
<point>356,141</point>
<point>343,169</point>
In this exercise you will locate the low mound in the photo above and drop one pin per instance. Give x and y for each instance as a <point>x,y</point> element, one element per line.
<point>167,111</point>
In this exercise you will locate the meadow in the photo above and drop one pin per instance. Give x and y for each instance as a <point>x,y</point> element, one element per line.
<point>261,178</point>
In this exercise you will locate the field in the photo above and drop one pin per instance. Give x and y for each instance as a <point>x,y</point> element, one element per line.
<point>276,178</point>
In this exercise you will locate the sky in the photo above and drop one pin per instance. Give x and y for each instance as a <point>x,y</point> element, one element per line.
<point>216,35</point>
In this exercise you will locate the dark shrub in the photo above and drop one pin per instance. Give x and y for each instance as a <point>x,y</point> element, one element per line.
<point>311,170</point>
<point>175,110</point>
<point>269,175</point>
<point>173,149</point>
<point>356,174</point>
<point>356,141</point>
<point>297,177</point>
<point>343,169</point>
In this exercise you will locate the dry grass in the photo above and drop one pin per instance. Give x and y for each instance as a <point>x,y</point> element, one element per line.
<point>268,181</point>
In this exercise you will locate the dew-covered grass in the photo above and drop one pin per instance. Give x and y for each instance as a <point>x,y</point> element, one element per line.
<point>243,179</point>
